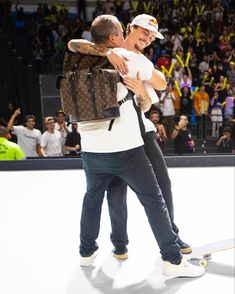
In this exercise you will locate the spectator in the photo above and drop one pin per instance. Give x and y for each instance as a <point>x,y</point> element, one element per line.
<point>28,137</point>
<point>182,137</point>
<point>98,9</point>
<point>86,33</point>
<point>176,101</point>
<point>231,73</point>
<point>216,115</point>
<point>61,126</point>
<point>221,88</point>
<point>185,78</point>
<point>51,140</point>
<point>176,40</point>
<point>108,7</point>
<point>126,12</point>
<point>81,5</point>
<point>186,102</point>
<point>163,60</point>
<point>225,143</point>
<point>204,65</point>
<point>230,103</point>
<point>160,129</point>
<point>9,150</point>
<point>167,109</point>
<point>201,105</point>
<point>73,141</point>
<point>229,122</point>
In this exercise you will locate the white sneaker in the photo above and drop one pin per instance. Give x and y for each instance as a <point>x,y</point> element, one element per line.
<point>184,269</point>
<point>88,261</point>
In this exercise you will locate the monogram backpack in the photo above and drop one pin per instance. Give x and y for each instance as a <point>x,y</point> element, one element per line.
<point>88,88</point>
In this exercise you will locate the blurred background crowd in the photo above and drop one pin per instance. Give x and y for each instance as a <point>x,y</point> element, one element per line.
<point>197,57</point>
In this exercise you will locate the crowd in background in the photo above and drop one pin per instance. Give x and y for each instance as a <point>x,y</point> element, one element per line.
<point>197,55</point>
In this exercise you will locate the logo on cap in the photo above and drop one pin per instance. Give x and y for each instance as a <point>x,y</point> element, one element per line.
<point>153,22</point>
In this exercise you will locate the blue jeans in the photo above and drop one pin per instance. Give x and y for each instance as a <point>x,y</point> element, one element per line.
<point>134,168</point>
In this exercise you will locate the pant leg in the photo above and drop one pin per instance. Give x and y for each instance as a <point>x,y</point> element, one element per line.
<point>157,160</point>
<point>143,182</point>
<point>116,196</point>
<point>91,211</point>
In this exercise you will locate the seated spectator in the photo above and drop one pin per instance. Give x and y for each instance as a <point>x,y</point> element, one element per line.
<point>28,137</point>
<point>182,137</point>
<point>160,129</point>
<point>73,141</point>
<point>51,140</point>
<point>225,143</point>
<point>9,150</point>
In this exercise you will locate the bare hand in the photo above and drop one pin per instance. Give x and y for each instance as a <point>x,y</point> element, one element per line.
<point>118,62</point>
<point>135,85</point>
<point>17,112</point>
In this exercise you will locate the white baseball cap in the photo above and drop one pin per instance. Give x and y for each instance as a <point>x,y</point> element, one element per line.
<point>148,22</point>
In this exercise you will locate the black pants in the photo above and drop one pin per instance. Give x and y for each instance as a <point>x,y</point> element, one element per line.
<point>117,193</point>
<point>201,126</point>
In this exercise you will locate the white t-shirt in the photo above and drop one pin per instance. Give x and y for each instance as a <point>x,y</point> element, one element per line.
<point>52,143</point>
<point>149,126</point>
<point>167,107</point>
<point>28,140</point>
<point>125,133</point>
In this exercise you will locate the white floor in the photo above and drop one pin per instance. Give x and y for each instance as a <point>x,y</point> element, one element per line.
<point>39,236</point>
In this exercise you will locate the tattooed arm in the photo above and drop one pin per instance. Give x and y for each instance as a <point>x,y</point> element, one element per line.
<point>86,47</point>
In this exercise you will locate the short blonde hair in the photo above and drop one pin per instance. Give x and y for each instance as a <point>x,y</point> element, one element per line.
<point>49,119</point>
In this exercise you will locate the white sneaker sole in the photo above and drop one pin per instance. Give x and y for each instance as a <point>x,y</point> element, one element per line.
<point>88,261</point>
<point>190,272</point>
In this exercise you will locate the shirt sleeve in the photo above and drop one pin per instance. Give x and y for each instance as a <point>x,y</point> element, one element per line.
<point>43,142</point>
<point>147,68</point>
<point>152,93</point>
<point>39,137</point>
<point>17,130</point>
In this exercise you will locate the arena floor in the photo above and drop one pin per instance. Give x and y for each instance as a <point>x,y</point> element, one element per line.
<point>39,236</point>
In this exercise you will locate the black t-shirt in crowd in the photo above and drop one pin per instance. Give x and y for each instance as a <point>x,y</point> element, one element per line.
<point>185,104</point>
<point>72,140</point>
<point>182,142</point>
<point>227,146</point>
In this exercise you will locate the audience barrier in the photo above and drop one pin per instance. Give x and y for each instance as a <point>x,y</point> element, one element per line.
<point>76,163</point>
